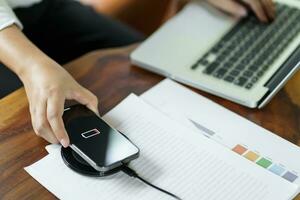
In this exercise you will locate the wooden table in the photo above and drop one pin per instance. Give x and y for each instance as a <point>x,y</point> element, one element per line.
<point>111,77</point>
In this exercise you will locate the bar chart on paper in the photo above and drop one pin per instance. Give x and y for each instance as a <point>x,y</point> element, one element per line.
<point>252,155</point>
<point>266,163</point>
<point>258,145</point>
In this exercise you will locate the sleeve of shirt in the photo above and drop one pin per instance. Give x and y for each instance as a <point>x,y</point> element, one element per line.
<point>7,16</point>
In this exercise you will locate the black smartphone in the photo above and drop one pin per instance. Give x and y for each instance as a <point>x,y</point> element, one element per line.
<point>100,145</point>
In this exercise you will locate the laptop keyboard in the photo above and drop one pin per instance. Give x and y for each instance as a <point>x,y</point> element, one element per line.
<point>247,51</point>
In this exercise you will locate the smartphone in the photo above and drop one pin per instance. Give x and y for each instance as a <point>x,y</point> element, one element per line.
<point>100,145</point>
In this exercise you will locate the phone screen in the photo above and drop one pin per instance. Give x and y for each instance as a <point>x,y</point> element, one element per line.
<point>95,141</point>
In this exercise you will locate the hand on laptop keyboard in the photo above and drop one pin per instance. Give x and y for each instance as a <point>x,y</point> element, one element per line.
<point>263,9</point>
<point>245,53</point>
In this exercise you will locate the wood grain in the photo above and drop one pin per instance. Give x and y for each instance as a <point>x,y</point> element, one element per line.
<point>111,77</point>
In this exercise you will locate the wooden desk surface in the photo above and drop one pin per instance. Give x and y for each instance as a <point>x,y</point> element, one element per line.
<point>111,77</point>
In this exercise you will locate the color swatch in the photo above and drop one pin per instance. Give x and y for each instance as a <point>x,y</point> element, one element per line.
<point>265,163</point>
<point>290,176</point>
<point>250,155</point>
<point>239,149</point>
<point>277,169</point>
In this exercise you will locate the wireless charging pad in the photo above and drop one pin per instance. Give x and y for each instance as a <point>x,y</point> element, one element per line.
<point>76,163</point>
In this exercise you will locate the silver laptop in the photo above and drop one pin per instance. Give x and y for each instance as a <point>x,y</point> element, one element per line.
<point>242,60</point>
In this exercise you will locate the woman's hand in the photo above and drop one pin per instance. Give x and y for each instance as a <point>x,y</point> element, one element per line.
<point>46,83</point>
<point>263,9</point>
<point>47,87</point>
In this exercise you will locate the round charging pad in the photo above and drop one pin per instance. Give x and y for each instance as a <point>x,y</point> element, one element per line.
<point>79,165</point>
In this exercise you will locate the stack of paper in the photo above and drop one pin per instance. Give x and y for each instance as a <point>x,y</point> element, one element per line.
<point>173,156</point>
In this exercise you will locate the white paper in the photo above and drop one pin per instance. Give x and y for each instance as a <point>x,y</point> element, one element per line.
<point>172,157</point>
<point>52,148</point>
<point>222,125</point>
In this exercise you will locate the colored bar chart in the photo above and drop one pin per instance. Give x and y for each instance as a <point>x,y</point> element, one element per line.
<point>254,156</point>
<point>266,163</point>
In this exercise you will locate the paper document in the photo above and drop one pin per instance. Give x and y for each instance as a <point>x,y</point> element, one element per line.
<point>250,141</point>
<point>173,157</point>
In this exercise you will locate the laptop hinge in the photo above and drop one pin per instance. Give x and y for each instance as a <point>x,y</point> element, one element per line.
<point>281,76</point>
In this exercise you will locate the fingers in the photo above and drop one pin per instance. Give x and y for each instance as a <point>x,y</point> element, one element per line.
<point>87,98</point>
<point>46,114</point>
<point>258,9</point>
<point>231,7</point>
<point>270,9</point>
<point>263,9</point>
<point>39,120</point>
<point>55,109</point>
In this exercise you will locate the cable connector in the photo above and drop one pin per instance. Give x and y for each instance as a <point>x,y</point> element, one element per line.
<point>130,172</point>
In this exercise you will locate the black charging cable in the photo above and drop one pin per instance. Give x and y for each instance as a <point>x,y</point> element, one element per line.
<point>130,172</point>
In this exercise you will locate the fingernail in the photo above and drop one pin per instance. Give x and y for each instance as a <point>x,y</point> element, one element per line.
<point>243,12</point>
<point>64,143</point>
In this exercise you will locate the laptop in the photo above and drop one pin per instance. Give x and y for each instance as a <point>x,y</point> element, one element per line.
<point>242,60</point>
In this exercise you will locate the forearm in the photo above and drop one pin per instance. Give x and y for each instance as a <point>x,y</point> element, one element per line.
<point>17,52</point>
